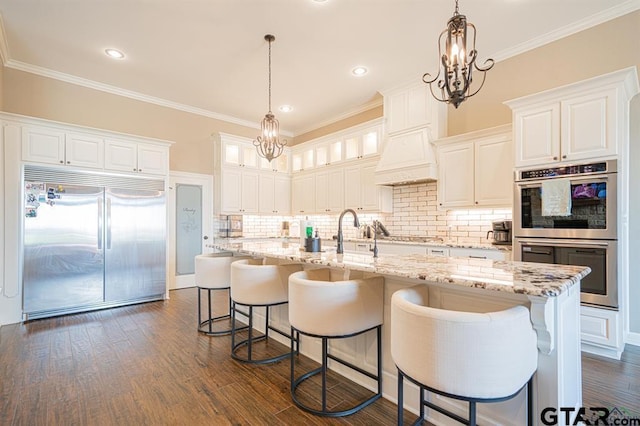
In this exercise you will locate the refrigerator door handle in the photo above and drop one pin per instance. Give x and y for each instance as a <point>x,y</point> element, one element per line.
<point>108,223</point>
<point>100,223</point>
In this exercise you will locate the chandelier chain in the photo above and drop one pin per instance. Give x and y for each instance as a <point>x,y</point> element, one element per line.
<point>270,76</point>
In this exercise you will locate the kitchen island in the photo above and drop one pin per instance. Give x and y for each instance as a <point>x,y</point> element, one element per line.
<point>550,292</point>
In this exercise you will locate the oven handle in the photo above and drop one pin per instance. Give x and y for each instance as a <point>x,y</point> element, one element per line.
<point>536,183</point>
<point>563,243</point>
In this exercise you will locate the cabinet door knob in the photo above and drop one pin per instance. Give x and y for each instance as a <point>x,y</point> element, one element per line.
<point>555,158</point>
<point>140,170</point>
<point>564,156</point>
<point>68,162</point>
<point>476,202</point>
<point>135,170</point>
<point>61,162</point>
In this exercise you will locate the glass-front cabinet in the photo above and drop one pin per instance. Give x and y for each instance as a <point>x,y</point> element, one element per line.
<point>358,143</point>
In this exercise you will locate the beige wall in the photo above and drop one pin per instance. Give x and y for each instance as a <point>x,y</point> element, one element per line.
<point>37,96</point>
<point>604,48</point>
<point>601,49</point>
<point>1,86</point>
<point>362,117</point>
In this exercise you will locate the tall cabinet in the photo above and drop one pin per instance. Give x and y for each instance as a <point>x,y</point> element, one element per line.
<point>586,121</point>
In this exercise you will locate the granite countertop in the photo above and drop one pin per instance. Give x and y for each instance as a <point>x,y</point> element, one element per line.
<point>533,279</point>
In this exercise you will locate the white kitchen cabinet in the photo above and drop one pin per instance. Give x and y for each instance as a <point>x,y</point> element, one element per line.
<point>573,123</point>
<point>239,192</point>
<point>476,169</point>
<point>362,144</point>
<point>477,253</point>
<point>411,107</point>
<point>53,146</point>
<point>407,108</point>
<point>279,164</point>
<point>274,195</point>
<point>241,153</point>
<point>386,248</point>
<point>601,331</point>
<point>129,156</point>
<point>360,191</point>
<point>329,190</point>
<point>438,251</point>
<point>303,194</point>
<point>329,152</point>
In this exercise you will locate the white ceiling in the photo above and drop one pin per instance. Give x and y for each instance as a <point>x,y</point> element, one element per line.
<point>210,57</point>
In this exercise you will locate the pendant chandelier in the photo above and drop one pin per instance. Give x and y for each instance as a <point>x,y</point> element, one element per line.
<point>458,41</point>
<point>268,143</point>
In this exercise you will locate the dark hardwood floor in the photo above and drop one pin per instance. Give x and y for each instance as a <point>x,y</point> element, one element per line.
<point>146,365</point>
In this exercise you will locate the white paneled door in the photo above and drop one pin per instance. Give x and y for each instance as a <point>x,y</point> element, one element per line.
<point>190,224</point>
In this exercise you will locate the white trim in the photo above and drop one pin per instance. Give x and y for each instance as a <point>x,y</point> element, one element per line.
<point>586,23</point>
<point>66,127</point>
<point>79,81</point>
<point>206,181</point>
<point>633,338</point>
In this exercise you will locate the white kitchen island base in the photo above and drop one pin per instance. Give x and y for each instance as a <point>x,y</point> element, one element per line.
<point>550,292</point>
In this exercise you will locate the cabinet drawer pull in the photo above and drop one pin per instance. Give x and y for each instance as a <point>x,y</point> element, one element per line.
<point>477,257</point>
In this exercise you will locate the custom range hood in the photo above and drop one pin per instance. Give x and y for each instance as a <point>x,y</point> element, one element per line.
<point>407,158</point>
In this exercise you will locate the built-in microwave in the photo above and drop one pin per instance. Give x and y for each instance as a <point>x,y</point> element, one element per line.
<point>591,202</point>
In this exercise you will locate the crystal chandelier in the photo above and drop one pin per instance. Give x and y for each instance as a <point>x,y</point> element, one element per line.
<point>268,143</point>
<point>458,62</point>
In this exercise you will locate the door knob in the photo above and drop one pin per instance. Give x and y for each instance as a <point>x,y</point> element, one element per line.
<point>205,237</point>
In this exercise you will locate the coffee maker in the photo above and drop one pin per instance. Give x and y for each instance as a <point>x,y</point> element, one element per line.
<point>501,232</point>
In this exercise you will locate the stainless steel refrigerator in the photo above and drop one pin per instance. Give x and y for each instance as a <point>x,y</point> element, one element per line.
<point>91,241</point>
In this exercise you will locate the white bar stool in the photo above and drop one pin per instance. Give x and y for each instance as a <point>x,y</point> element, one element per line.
<point>323,308</point>
<point>474,357</point>
<point>256,284</point>
<point>212,273</point>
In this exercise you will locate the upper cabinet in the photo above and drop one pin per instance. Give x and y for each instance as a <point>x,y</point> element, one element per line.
<point>48,145</point>
<point>476,169</point>
<point>72,146</point>
<point>356,143</point>
<point>248,183</point>
<point>412,107</point>
<point>138,158</point>
<point>236,152</point>
<point>585,120</point>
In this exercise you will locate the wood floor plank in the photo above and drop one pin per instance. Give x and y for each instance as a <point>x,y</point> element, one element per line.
<point>147,365</point>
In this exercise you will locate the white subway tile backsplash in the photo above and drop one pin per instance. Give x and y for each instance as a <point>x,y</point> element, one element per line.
<point>415,212</point>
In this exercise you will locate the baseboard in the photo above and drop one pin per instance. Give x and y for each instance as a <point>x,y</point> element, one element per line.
<point>602,351</point>
<point>633,339</point>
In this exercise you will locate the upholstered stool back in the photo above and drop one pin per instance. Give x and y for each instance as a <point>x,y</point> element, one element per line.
<point>474,356</point>
<point>324,307</point>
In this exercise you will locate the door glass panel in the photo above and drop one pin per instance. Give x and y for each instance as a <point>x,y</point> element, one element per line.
<point>232,154</point>
<point>351,148</point>
<point>188,227</point>
<point>588,208</point>
<point>336,151</point>
<point>249,156</point>
<point>370,144</point>
<point>321,156</point>
<point>281,163</point>
<point>307,161</point>
<point>297,162</point>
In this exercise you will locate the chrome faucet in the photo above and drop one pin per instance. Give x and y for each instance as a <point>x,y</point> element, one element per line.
<point>356,224</point>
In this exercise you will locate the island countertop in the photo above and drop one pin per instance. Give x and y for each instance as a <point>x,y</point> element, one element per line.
<point>532,279</point>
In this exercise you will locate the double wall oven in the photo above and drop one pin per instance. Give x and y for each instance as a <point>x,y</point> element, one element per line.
<point>580,230</point>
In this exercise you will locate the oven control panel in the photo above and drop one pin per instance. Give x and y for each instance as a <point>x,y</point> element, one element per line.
<point>570,170</point>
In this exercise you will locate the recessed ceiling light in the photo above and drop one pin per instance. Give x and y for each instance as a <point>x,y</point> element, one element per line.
<point>114,53</point>
<point>286,108</point>
<point>359,71</point>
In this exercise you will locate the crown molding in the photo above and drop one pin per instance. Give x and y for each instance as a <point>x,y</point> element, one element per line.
<point>79,81</point>
<point>590,21</point>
